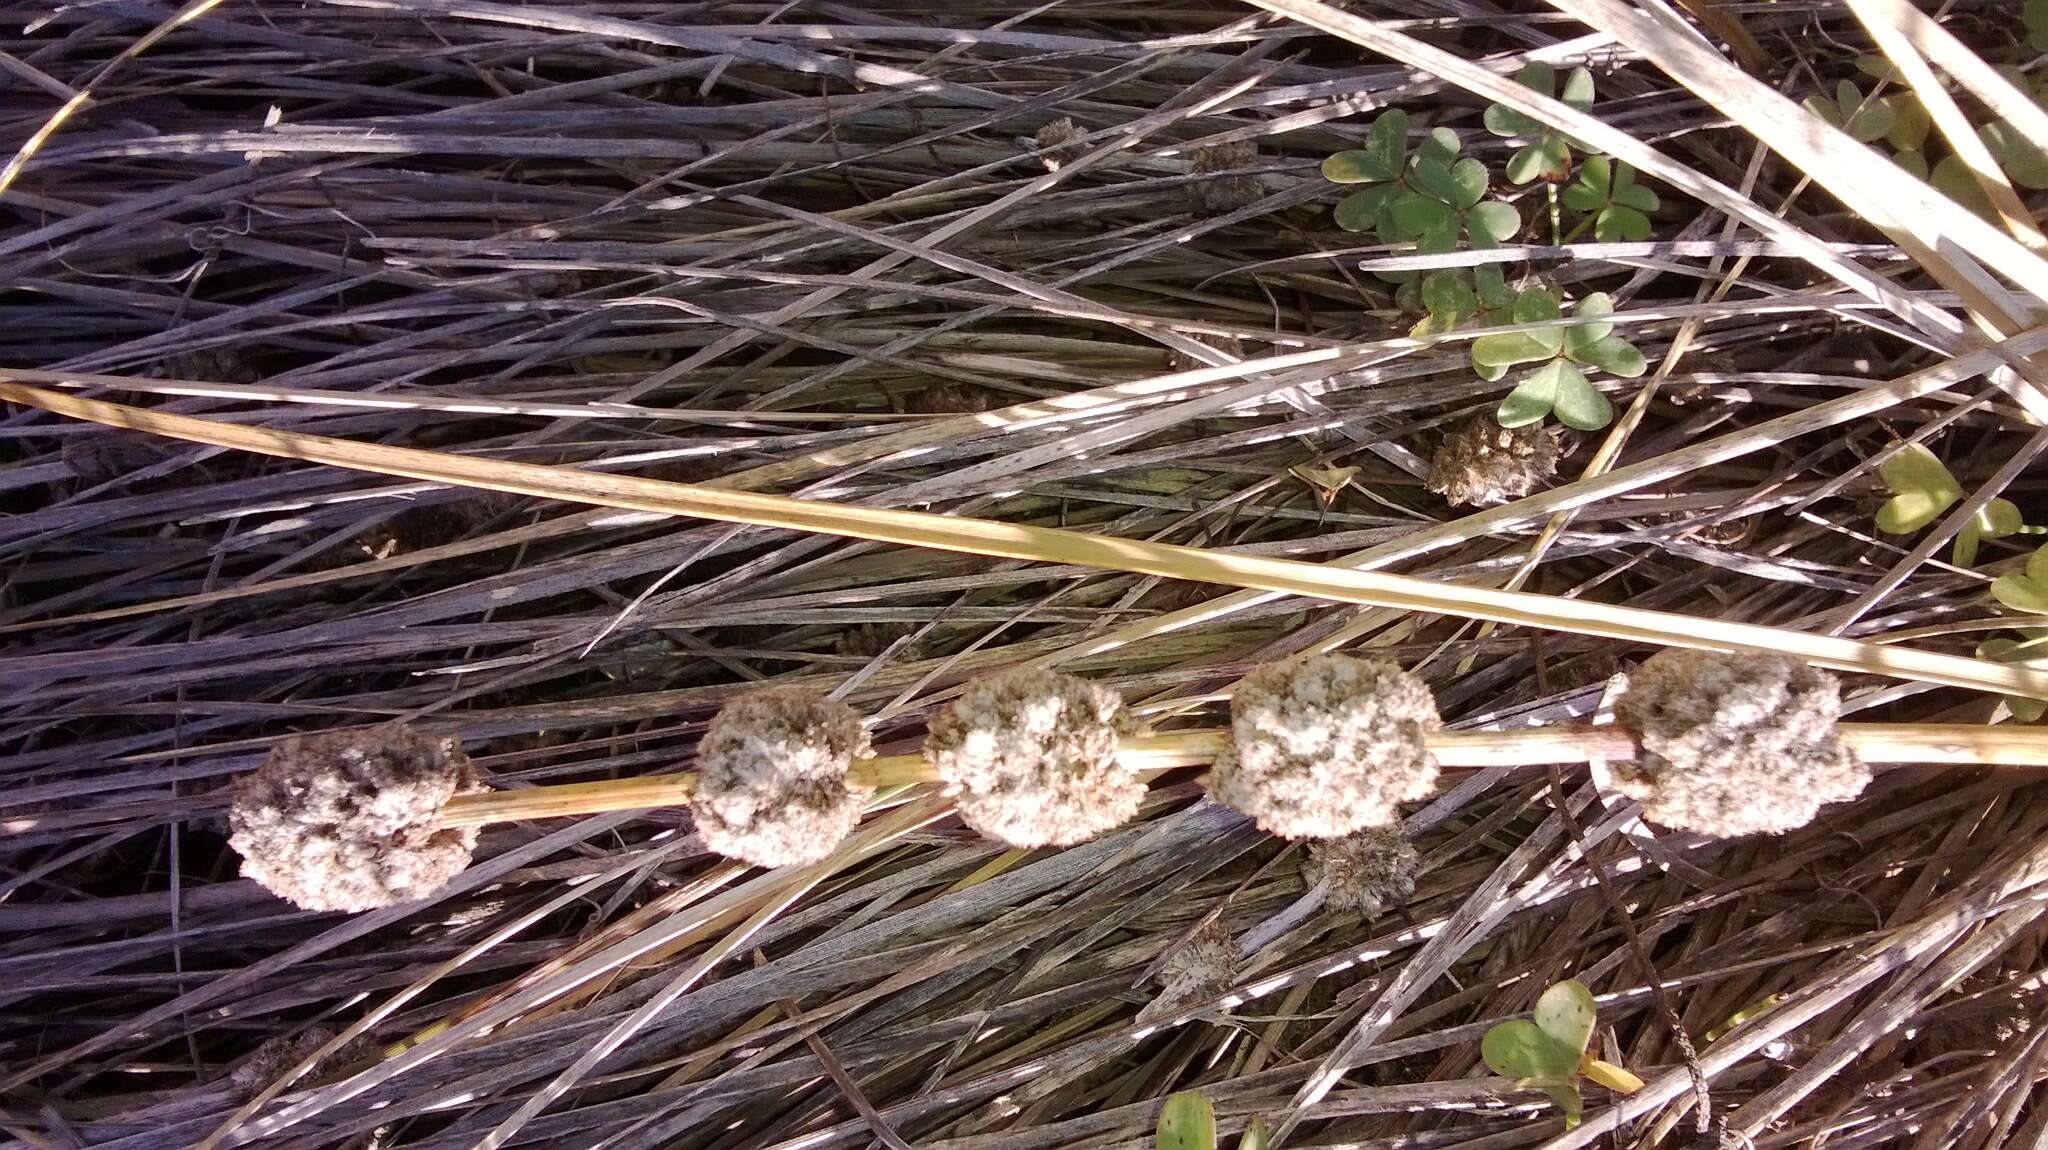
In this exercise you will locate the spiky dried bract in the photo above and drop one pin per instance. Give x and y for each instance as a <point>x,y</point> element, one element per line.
<point>1229,187</point>
<point>1030,758</point>
<point>275,1056</point>
<point>1481,462</point>
<point>1366,872</point>
<point>1735,744</point>
<point>1327,745</point>
<point>347,820</point>
<point>1202,967</point>
<point>771,785</point>
<point>1059,143</point>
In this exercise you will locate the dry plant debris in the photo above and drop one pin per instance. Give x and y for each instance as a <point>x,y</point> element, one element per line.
<point>801,251</point>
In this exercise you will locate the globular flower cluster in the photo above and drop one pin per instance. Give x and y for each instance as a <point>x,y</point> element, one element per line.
<point>1229,187</point>
<point>772,786</point>
<point>1735,744</point>
<point>1202,967</point>
<point>1480,462</point>
<point>348,820</point>
<point>1059,143</point>
<point>1365,872</point>
<point>1030,758</point>
<point>1327,745</point>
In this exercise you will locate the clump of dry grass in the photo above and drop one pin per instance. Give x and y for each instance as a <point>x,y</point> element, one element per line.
<point>802,253</point>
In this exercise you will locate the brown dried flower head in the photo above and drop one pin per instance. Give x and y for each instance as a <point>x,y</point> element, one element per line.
<point>275,1056</point>
<point>1030,758</point>
<point>771,784</point>
<point>1480,462</point>
<point>1735,744</point>
<point>1059,143</point>
<point>1327,745</point>
<point>349,820</point>
<point>1366,872</point>
<point>1228,187</point>
<point>1202,967</point>
<point>1179,361</point>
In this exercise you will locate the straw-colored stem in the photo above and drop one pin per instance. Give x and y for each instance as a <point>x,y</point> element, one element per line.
<point>1935,743</point>
<point>1054,545</point>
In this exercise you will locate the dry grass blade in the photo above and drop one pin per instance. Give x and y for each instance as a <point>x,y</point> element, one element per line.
<point>1047,335</point>
<point>1047,545</point>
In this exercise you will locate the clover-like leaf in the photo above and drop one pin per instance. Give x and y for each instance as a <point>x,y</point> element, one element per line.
<point>1257,1135</point>
<point>1360,211</point>
<point>1534,397</point>
<point>2019,593</point>
<point>1566,1096</point>
<point>1500,352</point>
<point>1468,183</point>
<point>1588,193</point>
<point>2023,159</point>
<point>2035,17</point>
<point>1952,178</point>
<point>1547,159</point>
<point>1439,143</point>
<point>1578,404</point>
<point>1617,203</point>
<point>2031,654</point>
<point>1910,122</point>
<point>1593,327</point>
<point>1492,285</point>
<point>1914,163</point>
<point>2027,591</point>
<point>1578,90</point>
<point>1186,1122</point>
<point>1519,1049</point>
<point>1409,216</point>
<point>1446,293</point>
<point>1492,222</point>
<point>1921,487</point>
<point>1613,355</point>
<point>1566,1013</point>
<point>1864,119</point>
<point>1382,158</point>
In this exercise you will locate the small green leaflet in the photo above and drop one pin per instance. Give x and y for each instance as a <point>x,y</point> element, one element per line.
<point>1186,1122</point>
<point>1618,204</point>
<point>1922,489</point>
<point>1546,1052</point>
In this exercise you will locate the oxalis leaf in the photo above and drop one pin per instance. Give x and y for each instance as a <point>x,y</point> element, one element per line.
<point>1381,159</point>
<point>1565,1013</point>
<point>1187,1122</point>
<point>1519,1049</point>
<point>2028,591</point>
<point>1921,490</point>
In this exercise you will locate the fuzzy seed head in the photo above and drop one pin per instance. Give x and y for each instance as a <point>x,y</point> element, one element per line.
<point>1230,188</point>
<point>1059,143</point>
<point>1029,757</point>
<point>347,820</point>
<point>1202,967</point>
<point>1735,744</point>
<point>1367,872</point>
<point>771,783</point>
<point>1481,462</point>
<point>1327,745</point>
